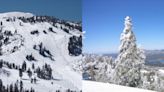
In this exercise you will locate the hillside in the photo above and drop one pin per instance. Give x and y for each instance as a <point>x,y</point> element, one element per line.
<point>40,52</point>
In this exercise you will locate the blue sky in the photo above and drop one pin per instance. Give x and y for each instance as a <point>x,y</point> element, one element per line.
<point>63,9</point>
<point>103,21</point>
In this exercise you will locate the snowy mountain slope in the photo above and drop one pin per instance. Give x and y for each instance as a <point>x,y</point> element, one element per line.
<point>90,86</point>
<point>40,41</point>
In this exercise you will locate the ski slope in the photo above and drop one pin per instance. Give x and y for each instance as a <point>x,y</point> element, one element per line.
<point>91,86</point>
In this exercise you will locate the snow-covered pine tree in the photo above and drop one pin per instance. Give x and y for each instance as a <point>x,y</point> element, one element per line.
<point>97,68</point>
<point>101,69</point>
<point>130,59</point>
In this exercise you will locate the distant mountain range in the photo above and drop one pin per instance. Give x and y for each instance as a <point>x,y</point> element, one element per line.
<point>153,57</point>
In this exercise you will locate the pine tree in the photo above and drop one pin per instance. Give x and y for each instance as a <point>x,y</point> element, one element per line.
<point>1,23</point>
<point>38,71</point>
<point>16,88</point>
<point>33,66</point>
<point>29,73</point>
<point>1,85</point>
<point>32,80</point>
<point>13,65</point>
<point>21,86</point>
<point>24,66</point>
<point>102,69</point>
<point>130,59</point>
<point>35,80</point>
<point>11,87</point>
<point>1,64</point>
<point>20,73</point>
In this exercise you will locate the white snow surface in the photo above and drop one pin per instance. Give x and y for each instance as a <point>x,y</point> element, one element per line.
<point>56,43</point>
<point>91,86</point>
<point>16,14</point>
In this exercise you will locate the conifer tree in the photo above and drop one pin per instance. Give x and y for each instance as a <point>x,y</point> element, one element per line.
<point>20,73</point>
<point>130,59</point>
<point>29,73</point>
<point>24,66</point>
<point>1,64</point>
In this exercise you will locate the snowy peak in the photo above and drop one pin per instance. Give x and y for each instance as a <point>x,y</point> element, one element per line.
<point>16,14</point>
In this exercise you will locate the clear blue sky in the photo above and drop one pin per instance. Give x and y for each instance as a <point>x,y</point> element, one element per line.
<point>103,21</point>
<point>63,9</point>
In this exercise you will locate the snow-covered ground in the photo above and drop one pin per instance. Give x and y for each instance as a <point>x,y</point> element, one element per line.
<point>55,40</point>
<point>91,86</point>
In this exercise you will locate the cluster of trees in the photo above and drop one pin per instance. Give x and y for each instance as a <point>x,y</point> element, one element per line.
<point>45,72</point>
<point>153,79</point>
<point>68,90</point>
<point>9,65</point>
<point>30,57</point>
<point>8,33</point>
<point>75,45</point>
<point>51,20</point>
<point>97,67</point>
<point>16,87</point>
<point>5,38</point>
<point>35,19</point>
<point>66,30</point>
<point>34,32</point>
<point>51,30</point>
<point>43,51</point>
<point>11,19</point>
<point>70,26</point>
<point>28,71</point>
